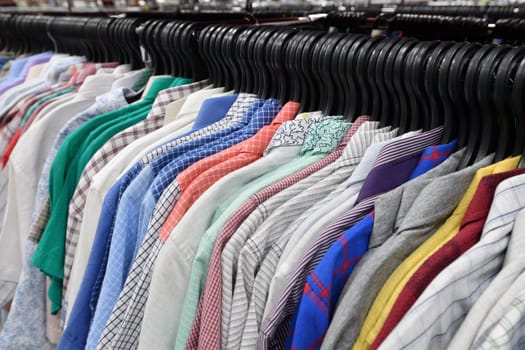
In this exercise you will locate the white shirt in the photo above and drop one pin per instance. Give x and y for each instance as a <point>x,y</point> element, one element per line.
<point>24,168</point>
<point>513,267</point>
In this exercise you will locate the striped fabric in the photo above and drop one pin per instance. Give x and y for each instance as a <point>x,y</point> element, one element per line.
<point>207,322</point>
<point>508,332</point>
<point>247,310</point>
<point>392,163</point>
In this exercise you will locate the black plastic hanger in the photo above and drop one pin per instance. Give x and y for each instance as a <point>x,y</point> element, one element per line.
<point>518,91</point>
<point>381,108</point>
<point>241,53</point>
<point>450,120</point>
<point>329,98</point>
<point>400,82</point>
<point>259,54</point>
<point>432,71</point>
<point>468,130</point>
<point>502,100</point>
<point>202,42</point>
<point>292,67</point>
<point>420,111</point>
<point>377,52</point>
<point>339,67</point>
<point>279,64</point>
<point>490,143</point>
<point>309,100</point>
<point>365,97</point>
<point>165,39</point>
<point>352,102</point>
<point>470,90</point>
<point>385,80</point>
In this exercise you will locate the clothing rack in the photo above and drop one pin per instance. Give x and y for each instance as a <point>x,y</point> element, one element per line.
<point>463,85</point>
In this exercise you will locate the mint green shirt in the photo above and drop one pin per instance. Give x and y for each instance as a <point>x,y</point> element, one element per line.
<point>322,138</point>
<point>74,154</point>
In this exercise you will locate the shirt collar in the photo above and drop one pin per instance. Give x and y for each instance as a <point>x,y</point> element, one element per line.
<point>94,85</point>
<point>213,110</point>
<point>462,207</point>
<point>328,129</point>
<point>293,132</point>
<point>157,84</point>
<point>433,156</point>
<point>367,161</point>
<point>480,204</point>
<point>195,100</point>
<point>447,190</point>
<point>128,80</point>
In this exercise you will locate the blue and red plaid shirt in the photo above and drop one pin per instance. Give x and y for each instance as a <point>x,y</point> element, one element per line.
<point>325,283</point>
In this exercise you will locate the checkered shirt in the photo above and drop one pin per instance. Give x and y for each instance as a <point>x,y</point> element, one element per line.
<point>123,327</point>
<point>194,184</point>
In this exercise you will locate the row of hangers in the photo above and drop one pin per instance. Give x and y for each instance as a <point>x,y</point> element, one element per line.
<point>432,26</point>
<point>493,12</point>
<point>476,91</point>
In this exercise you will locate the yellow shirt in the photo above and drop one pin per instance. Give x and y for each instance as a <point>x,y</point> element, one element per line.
<point>386,298</point>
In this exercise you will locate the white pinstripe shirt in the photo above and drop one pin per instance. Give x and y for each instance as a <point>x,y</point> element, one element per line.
<point>477,323</point>
<point>509,331</point>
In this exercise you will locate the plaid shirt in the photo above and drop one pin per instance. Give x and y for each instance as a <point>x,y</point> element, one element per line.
<point>152,122</point>
<point>398,158</point>
<point>448,298</point>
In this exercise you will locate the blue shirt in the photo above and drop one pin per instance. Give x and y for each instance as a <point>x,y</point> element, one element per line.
<point>83,310</point>
<point>159,178</point>
<point>124,241</point>
<point>19,79</point>
<point>325,283</point>
<point>4,60</point>
<point>15,70</point>
<point>16,67</point>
